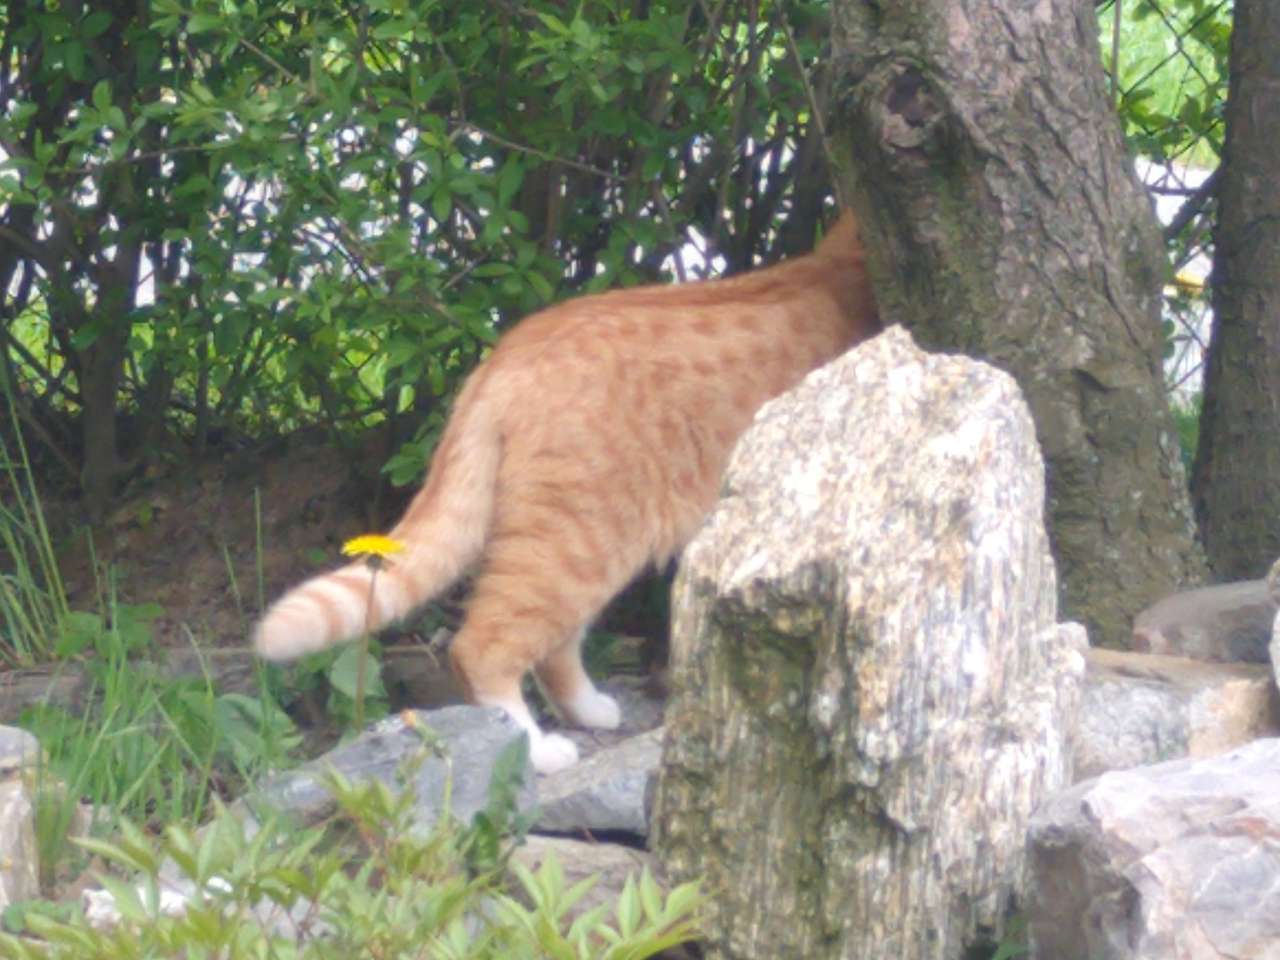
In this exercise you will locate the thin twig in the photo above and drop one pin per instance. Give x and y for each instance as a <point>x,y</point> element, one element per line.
<point>468,127</point>
<point>1115,54</point>
<point>1194,205</point>
<point>813,105</point>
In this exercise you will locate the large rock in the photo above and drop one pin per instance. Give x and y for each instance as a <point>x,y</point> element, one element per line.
<point>1178,861</point>
<point>19,861</point>
<point>1228,622</point>
<point>1141,708</point>
<point>871,690</point>
<point>606,792</point>
<point>455,758</point>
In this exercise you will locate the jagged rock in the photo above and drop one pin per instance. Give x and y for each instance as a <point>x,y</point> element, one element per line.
<point>605,792</point>
<point>1275,651</point>
<point>470,739</point>
<point>610,863</point>
<point>1178,860</point>
<point>19,751</point>
<point>19,860</point>
<point>1273,585</point>
<point>1229,622</point>
<point>1141,708</point>
<point>870,688</point>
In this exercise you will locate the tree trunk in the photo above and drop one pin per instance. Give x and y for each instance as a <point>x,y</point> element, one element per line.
<point>1234,482</point>
<point>1004,220</point>
<point>100,371</point>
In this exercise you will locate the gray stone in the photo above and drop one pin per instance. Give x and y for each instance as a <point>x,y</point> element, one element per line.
<point>1141,708</point>
<point>469,740</point>
<point>1178,860</point>
<point>870,688</point>
<point>641,706</point>
<point>605,792</point>
<point>1229,622</point>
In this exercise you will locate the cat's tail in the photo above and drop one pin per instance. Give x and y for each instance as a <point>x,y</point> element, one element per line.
<point>443,532</point>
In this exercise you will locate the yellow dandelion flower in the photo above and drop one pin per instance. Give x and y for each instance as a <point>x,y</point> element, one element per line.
<point>372,545</point>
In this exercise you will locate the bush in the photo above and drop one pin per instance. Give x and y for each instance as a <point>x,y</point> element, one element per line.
<point>367,884</point>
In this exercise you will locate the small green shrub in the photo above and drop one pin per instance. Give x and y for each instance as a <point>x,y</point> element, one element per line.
<point>368,884</point>
<point>1186,418</point>
<point>142,745</point>
<point>33,601</point>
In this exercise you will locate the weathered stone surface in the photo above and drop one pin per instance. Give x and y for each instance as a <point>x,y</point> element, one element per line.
<point>870,688</point>
<point>19,750</point>
<point>1229,622</point>
<point>470,737</point>
<point>19,860</point>
<point>1140,708</point>
<point>1275,651</point>
<point>1178,861</point>
<point>1273,585</point>
<point>611,863</point>
<point>607,791</point>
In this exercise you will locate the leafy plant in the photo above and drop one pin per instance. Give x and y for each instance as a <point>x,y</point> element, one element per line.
<point>387,890</point>
<point>143,745</point>
<point>294,212</point>
<point>1186,417</point>
<point>33,602</point>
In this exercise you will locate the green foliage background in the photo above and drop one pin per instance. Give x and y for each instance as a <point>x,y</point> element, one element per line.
<point>236,217</point>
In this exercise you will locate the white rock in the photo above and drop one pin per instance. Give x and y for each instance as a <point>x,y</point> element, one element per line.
<point>871,692</point>
<point>19,859</point>
<point>1177,861</point>
<point>1141,708</point>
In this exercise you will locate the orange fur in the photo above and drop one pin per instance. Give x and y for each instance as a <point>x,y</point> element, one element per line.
<point>590,443</point>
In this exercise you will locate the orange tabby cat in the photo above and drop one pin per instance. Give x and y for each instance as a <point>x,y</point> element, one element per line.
<point>589,443</point>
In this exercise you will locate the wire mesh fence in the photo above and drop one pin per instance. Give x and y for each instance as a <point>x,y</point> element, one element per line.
<point>1166,63</point>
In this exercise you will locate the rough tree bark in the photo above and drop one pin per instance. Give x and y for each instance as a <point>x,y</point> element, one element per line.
<point>1234,482</point>
<point>1004,221</point>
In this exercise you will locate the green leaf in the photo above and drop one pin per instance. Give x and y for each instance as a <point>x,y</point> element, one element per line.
<point>204,22</point>
<point>101,97</point>
<point>78,631</point>
<point>441,204</point>
<point>393,29</point>
<point>342,675</point>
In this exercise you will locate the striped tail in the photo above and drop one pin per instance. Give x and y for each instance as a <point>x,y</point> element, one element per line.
<point>444,531</point>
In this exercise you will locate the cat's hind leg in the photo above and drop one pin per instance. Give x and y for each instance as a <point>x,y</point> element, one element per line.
<point>566,683</point>
<point>528,609</point>
<point>490,656</point>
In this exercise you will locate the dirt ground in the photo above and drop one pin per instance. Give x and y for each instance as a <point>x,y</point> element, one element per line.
<point>191,539</point>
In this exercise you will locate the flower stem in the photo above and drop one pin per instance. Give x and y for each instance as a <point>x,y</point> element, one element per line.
<point>363,660</point>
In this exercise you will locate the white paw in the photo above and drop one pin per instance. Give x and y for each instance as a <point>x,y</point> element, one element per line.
<point>597,710</point>
<point>551,752</point>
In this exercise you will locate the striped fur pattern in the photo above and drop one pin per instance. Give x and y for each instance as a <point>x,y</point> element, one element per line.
<point>588,444</point>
